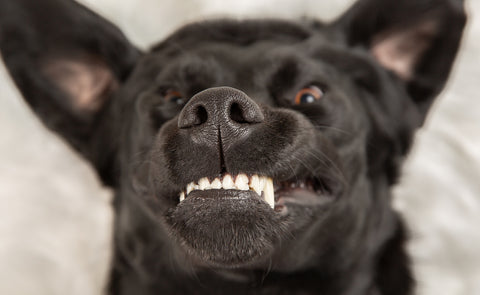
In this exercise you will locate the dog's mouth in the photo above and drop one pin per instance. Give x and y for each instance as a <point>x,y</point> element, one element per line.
<point>238,220</point>
<point>275,193</point>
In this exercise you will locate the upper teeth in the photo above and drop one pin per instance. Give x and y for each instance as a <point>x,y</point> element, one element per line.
<point>242,182</point>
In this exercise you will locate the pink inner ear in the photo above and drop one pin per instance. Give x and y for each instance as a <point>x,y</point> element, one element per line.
<point>88,81</point>
<point>400,50</point>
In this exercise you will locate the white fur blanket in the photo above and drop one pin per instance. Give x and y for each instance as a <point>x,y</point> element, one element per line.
<point>56,219</point>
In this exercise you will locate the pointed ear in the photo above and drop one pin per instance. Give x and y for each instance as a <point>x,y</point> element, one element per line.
<point>415,39</point>
<point>66,60</point>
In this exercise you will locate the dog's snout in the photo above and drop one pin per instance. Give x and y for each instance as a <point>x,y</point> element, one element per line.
<point>220,107</point>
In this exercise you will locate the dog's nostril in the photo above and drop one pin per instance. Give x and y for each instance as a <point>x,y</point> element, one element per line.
<point>201,114</point>
<point>236,113</point>
<point>194,115</point>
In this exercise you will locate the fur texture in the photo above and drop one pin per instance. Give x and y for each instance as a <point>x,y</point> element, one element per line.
<point>352,170</point>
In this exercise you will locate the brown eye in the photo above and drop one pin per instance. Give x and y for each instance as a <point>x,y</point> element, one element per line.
<point>308,94</point>
<point>173,96</point>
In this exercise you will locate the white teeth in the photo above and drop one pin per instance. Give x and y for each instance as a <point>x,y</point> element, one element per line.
<point>269,195</point>
<point>203,184</point>
<point>182,196</point>
<point>227,182</point>
<point>255,184</point>
<point>216,184</point>
<point>262,185</point>
<point>241,182</point>
<point>190,187</point>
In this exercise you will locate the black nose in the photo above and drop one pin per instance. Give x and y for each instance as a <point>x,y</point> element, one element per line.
<point>220,108</point>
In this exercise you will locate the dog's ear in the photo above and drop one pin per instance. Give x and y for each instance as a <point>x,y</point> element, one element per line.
<point>66,60</point>
<point>415,39</point>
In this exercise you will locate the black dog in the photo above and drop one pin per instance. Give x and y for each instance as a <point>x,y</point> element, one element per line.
<point>250,157</point>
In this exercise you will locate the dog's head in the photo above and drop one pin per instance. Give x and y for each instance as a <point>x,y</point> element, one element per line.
<point>245,144</point>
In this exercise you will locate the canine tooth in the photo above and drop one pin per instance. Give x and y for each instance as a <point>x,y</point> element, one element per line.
<point>216,184</point>
<point>227,182</point>
<point>255,184</point>
<point>241,182</point>
<point>182,196</point>
<point>268,193</point>
<point>203,184</point>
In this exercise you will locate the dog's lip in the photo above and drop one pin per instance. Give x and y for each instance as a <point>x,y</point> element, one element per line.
<point>230,194</point>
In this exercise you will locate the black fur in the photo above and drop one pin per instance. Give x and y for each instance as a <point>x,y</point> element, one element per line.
<point>233,111</point>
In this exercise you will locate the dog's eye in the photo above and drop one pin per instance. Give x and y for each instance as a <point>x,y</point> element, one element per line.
<point>308,94</point>
<point>174,96</point>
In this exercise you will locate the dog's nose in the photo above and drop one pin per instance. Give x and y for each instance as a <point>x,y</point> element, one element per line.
<point>220,108</point>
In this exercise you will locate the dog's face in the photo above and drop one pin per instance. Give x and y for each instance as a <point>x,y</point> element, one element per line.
<point>255,144</point>
<point>245,141</point>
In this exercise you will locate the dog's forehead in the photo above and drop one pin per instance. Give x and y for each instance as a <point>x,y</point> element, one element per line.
<point>245,55</point>
<point>241,33</point>
<point>238,44</point>
<point>227,62</point>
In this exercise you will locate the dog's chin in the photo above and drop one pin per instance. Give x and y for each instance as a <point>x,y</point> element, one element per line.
<point>234,228</point>
<point>225,228</point>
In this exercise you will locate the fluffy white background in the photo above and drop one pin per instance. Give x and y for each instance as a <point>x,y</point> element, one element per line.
<point>55,218</point>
